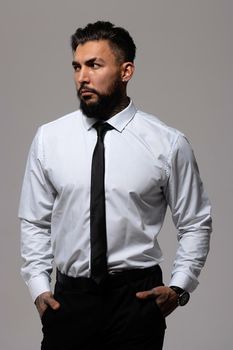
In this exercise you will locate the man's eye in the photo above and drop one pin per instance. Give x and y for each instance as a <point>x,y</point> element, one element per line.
<point>95,65</point>
<point>76,68</point>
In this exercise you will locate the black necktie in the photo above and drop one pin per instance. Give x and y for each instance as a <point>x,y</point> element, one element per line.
<point>99,268</point>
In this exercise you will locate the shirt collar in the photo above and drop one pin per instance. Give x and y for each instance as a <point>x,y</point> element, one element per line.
<point>118,121</point>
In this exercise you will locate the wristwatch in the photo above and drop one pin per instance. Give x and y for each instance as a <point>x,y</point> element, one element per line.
<point>183,296</point>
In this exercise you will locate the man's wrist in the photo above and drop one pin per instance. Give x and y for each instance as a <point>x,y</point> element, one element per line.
<point>183,296</point>
<point>178,290</point>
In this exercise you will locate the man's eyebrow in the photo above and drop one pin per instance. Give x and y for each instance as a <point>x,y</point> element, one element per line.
<point>89,61</point>
<point>75,63</point>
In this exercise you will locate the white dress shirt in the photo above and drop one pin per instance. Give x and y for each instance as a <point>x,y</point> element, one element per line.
<point>148,166</point>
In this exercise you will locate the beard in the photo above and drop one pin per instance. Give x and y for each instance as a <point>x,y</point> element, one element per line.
<point>105,105</point>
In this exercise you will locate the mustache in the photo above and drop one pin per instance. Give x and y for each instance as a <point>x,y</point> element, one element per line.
<point>86,89</point>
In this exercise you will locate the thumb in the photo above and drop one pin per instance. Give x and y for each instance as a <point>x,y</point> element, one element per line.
<point>54,304</point>
<point>146,294</point>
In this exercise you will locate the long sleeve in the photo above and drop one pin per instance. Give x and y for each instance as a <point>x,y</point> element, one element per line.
<point>36,203</point>
<point>142,157</point>
<point>191,215</point>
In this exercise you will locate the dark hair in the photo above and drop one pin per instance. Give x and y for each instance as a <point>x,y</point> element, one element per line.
<point>119,38</point>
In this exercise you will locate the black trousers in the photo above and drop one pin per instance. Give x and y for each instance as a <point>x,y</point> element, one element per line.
<point>107,317</point>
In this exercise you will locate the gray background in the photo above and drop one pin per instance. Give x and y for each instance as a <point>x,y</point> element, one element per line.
<point>183,75</point>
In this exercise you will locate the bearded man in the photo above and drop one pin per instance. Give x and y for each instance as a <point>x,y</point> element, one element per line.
<point>94,197</point>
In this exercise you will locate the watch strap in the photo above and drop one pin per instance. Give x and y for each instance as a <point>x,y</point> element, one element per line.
<point>183,296</point>
<point>178,290</point>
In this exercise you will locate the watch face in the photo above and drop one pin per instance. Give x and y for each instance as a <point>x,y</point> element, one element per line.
<point>184,298</point>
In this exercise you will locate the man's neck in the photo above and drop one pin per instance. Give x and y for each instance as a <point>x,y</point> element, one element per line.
<point>124,102</point>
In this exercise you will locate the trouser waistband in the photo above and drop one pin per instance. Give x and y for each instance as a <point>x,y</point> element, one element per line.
<point>113,280</point>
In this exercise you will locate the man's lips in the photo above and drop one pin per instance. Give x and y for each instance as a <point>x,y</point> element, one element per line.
<point>86,91</point>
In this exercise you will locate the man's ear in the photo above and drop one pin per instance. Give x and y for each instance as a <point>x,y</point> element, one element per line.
<point>127,70</point>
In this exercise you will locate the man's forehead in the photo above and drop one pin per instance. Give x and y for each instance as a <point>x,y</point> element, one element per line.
<point>93,49</point>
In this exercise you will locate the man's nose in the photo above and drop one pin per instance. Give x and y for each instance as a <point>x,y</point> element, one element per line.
<point>83,75</point>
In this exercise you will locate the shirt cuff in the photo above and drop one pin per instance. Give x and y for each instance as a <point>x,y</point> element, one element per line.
<point>38,285</point>
<point>182,280</point>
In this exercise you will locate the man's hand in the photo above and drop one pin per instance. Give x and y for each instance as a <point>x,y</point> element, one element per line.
<point>45,300</point>
<point>165,297</point>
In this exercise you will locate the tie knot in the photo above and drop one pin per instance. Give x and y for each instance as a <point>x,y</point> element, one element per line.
<point>102,128</point>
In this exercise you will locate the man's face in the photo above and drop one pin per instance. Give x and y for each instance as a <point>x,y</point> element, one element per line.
<point>97,78</point>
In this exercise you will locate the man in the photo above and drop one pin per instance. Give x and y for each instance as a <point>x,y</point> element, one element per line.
<point>93,201</point>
